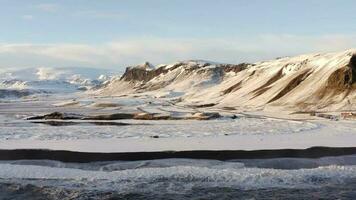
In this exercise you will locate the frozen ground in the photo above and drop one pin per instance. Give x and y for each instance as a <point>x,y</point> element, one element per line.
<point>248,131</point>
<point>162,129</point>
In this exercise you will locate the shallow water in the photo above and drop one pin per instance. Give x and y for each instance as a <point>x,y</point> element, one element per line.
<point>326,178</point>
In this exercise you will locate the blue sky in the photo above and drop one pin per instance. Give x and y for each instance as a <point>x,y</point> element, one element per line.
<point>116,33</point>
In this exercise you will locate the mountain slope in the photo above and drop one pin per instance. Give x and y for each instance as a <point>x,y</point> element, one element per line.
<point>306,82</point>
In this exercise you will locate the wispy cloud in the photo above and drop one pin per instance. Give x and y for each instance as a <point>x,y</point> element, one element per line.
<point>99,14</point>
<point>48,7</point>
<point>77,53</point>
<point>27,17</point>
<point>121,53</point>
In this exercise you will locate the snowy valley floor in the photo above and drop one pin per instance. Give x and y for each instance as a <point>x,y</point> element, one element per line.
<point>244,131</point>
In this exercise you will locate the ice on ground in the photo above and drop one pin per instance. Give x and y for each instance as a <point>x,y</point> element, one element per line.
<point>161,129</point>
<point>249,131</point>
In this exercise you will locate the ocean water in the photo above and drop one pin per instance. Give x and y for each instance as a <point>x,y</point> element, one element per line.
<point>283,178</point>
<point>20,192</point>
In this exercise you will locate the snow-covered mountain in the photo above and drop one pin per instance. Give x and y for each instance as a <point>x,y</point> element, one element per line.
<point>304,83</point>
<point>24,82</point>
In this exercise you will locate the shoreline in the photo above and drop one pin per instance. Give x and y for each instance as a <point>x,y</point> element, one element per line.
<point>86,157</point>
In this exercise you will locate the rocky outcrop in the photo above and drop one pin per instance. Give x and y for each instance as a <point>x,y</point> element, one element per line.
<point>341,81</point>
<point>146,72</point>
<point>59,119</point>
<point>234,68</point>
<point>57,115</point>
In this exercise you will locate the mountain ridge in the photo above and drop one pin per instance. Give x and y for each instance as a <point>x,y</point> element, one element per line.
<point>307,82</point>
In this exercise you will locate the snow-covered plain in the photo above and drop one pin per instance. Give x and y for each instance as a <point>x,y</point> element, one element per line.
<point>248,131</point>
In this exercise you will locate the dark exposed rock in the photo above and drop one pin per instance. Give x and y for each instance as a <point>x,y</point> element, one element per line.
<point>233,88</point>
<point>69,116</point>
<point>145,72</point>
<point>234,117</point>
<point>229,108</point>
<point>291,85</point>
<point>327,116</point>
<point>71,123</point>
<point>115,116</point>
<point>203,105</point>
<point>235,68</point>
<point>82,88</point>
<point>340,81</point>
<point>151,116</point>
<point>5,93</point>
<point>265,86</point>
<point>56,123</point>
<point>57,115</point>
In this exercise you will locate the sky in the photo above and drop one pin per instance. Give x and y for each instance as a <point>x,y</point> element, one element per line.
<point>116,33</point>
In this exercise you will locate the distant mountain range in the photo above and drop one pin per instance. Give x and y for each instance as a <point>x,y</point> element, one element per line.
<point>25,82</point>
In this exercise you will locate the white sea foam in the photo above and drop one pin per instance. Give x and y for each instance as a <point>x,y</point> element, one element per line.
<point>186,176</point>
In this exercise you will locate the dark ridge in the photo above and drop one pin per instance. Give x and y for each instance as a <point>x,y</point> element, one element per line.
<point>291,85</point>
<point>260,91</point>
<point>57,115</point>
<point>84,157</point>
<point>235,68</point>
<point>60,119</point>
<point>115,116</point>
<point>233,88</point>
<point>203,105</point>
<point>141,74</point>
<point>340,81</point>
<point>257,92</point>
<point>228,108</point>
<point>73,116</point>
<point>352,65</point>
<point>71,123</point>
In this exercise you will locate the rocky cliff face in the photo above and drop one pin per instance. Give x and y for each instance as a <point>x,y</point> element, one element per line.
<point>144,73</point>
<point>306,82</point>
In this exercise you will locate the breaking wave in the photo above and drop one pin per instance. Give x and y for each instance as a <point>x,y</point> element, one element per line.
<point>330,177</point>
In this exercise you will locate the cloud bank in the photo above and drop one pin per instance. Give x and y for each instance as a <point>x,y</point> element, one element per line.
<point>120,53</point>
